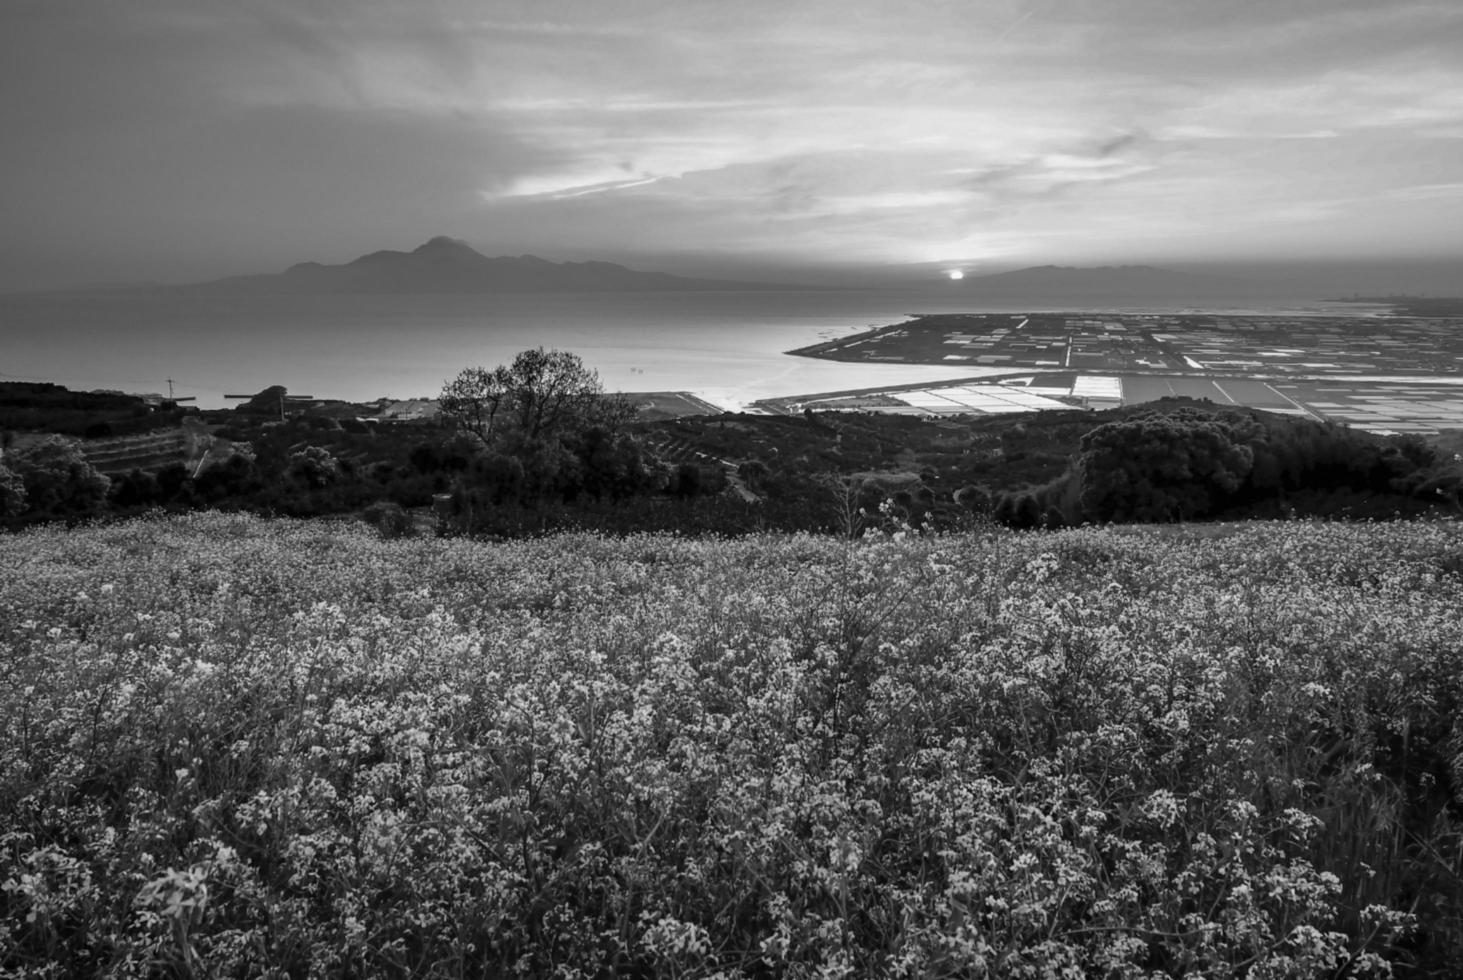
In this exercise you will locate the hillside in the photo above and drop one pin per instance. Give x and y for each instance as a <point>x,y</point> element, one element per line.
<point>1288,465</point>
<point>739,473</point>
<point>231,746</point>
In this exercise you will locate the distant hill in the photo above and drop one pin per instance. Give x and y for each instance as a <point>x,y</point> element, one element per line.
<point>447,265</point>
<point>1111,283</point>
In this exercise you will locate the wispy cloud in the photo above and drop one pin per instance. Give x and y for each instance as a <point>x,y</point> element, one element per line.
<point>558,189</point>
<point>1428,192</point>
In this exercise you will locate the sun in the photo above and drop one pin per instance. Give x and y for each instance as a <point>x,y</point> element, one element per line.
<point>955,274</point>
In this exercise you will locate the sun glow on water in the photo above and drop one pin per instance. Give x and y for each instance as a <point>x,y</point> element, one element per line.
<point>955,274</point>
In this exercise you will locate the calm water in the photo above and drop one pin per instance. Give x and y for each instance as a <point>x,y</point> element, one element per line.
<point>725,347</point>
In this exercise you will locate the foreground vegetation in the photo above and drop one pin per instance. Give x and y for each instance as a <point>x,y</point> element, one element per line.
<point>536,446</point>
<point>239,747</point>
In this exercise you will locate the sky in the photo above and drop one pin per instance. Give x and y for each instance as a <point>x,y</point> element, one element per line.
<point>178,140</point>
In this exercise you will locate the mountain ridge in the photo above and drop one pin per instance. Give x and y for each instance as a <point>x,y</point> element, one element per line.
<point>450,265</point>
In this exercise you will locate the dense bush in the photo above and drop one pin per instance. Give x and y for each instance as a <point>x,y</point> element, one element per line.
<point>238,747</point>
<point>1176,463</point>
<point>314,467</point>
<point>59,483</point>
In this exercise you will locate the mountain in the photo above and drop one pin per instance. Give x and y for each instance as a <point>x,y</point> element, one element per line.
<point>1120,283</point>
<point>447,265</point>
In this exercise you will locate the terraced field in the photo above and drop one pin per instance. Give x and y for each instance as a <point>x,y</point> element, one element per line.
<point>147,452</point>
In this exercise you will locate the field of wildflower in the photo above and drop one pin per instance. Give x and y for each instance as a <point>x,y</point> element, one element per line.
<point>238,747</point>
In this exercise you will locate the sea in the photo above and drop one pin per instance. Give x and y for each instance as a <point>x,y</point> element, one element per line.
<point>728,348</point>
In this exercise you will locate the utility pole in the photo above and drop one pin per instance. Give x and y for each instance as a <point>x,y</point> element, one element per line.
<point>189,398</point>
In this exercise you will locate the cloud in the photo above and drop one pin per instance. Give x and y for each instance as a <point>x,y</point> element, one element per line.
<point>1428,192</point>
<point>887,129</point>
<point>1398,97</point>
<point>563,188</point>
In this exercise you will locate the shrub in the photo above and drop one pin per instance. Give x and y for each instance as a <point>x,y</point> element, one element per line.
<point>12,492</point>
<point>59,482</point>
<point>389,519</point>
<point>314,467</point>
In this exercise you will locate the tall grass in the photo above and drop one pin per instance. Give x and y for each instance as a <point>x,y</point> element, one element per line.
<point>237,747</point>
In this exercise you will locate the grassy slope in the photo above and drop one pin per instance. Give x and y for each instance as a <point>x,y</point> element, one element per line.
<point>228,743</point>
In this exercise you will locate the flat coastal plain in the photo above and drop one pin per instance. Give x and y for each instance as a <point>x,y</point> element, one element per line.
<point>1379,372</point>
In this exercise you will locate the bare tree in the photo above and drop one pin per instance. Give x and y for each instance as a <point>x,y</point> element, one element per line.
<point>614,412</point>
<point>541,393</point>
<point>474,399</point>
<point>551,389</point>
<point>846,493</point>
